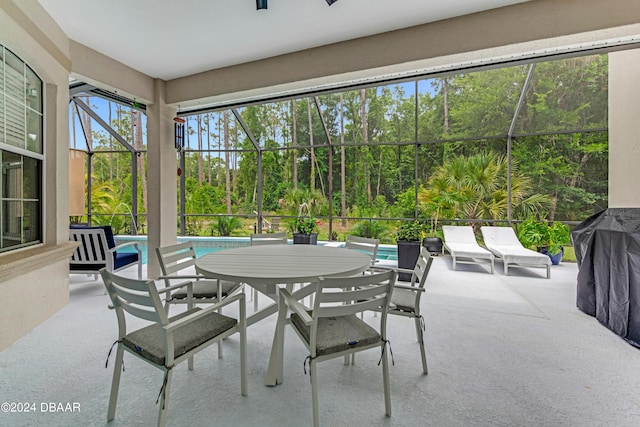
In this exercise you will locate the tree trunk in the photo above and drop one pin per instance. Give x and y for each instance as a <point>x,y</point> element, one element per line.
<point>234,183</point>
<point>365,141</point>
<point>445,94</point>
<point>227,172</point>
<point>199,153</point>
<point>294,152</point>
<point>142,174</point>
<point>312,159</point>
<point>208,149</point>
<point>343,195</point>
<point>219,165</point>
<point>86,125</point>
<point>110,146</point>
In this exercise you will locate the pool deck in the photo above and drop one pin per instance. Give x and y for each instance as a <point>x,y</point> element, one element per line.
<point>502,351</point>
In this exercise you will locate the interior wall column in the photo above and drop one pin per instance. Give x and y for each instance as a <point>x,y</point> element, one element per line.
<point>624,129</point>
<point>161,177</point>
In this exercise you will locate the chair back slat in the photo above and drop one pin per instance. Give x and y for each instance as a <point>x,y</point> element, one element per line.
<point>363,244</point>
<point>421,270</point>
<point>93,247</point>
<point>351,308</point>
<point>359,293</point>
<point>175,258</point>
<point>137,297</point>
<point>133,296</point>
<point>138,311</point>
<point>269,239</point>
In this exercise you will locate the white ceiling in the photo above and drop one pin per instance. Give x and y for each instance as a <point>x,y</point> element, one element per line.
<point>173,38</point>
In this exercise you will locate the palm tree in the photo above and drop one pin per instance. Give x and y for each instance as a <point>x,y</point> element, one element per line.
<point>475,187</point>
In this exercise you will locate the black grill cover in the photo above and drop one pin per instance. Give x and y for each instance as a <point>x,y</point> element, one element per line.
<point>607,247</point>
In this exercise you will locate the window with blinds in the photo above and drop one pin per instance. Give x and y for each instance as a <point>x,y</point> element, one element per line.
<point>21,153</point>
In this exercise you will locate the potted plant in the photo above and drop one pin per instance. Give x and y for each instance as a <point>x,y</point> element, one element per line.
<point>431,206</point>
<point>408,238</point>
<point>306,231</point>
<point>433,239</point>
<point>545,238</point>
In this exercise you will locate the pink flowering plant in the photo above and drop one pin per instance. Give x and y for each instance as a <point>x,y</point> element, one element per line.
<point>307,225</point>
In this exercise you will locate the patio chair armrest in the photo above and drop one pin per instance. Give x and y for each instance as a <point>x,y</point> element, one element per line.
<point>228,300</point>
<point>124,245</point>
<point>383,267</point>
<point>186,276</point>
<point>171,327</point>
<point>174,287</point>
<point>127,244</point>
<point>408,288</point>
<point>296,306</point>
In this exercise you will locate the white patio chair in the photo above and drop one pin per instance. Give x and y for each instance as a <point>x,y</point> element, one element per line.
<point>366,245</point>
<point>98,250</point>
<point>363,244</point>
<point>178,260</point>
<point>332,329</point>
<point>268,239</point>
<point>168,340</point>
<point>461,242</point>
<point>405,299</point>
<point>504,244</point>
<point>175,261</point>
<point>265,239</point>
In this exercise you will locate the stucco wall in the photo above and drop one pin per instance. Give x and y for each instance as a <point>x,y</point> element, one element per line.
<point>624,129</point>
<point>34,282</point>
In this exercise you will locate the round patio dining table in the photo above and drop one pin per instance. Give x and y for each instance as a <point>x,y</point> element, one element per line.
<point>267,266</point>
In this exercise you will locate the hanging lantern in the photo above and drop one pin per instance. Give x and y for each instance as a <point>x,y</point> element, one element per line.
<point>179,133</point>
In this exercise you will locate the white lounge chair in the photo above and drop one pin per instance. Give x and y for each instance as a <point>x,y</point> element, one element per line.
<point>504,244</point>
<point>461,242</point>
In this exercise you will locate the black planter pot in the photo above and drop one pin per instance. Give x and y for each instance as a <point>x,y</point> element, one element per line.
<point>408,252</point>
<point>433,245</point>
<point>305,239</point>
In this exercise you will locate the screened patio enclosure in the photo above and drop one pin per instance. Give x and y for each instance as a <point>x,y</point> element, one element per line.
<point>486,146</point>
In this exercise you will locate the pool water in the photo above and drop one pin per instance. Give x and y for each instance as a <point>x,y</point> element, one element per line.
<point>205,245</point>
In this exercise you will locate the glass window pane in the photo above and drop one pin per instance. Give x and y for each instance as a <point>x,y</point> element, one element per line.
<point>21,176</point>
<point>32,179</point>
<point>11,223</point>
<point>2,112</point>
<point>15,123</point>
<point>31,229</point>
<point>34,131</point>
<point>11,175</point>
<point>34,90</point>
<point>1,70</point>
<point>14,77</point>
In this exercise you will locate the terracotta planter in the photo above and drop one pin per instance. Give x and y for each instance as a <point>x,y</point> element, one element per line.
<point>305,239</point>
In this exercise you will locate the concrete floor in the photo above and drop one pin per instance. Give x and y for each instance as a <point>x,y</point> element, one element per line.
<point>502,351</point>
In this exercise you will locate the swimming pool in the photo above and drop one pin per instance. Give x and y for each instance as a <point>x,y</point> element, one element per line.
<point>205,245</point>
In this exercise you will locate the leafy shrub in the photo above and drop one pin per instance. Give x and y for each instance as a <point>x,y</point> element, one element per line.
<point>225,225</point>
<point>369,228</point>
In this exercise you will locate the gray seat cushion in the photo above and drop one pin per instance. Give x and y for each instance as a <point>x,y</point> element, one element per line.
<point>206,289</point>
<point>149,341</point>
<point>403,300</point>
<point>336,334</point>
